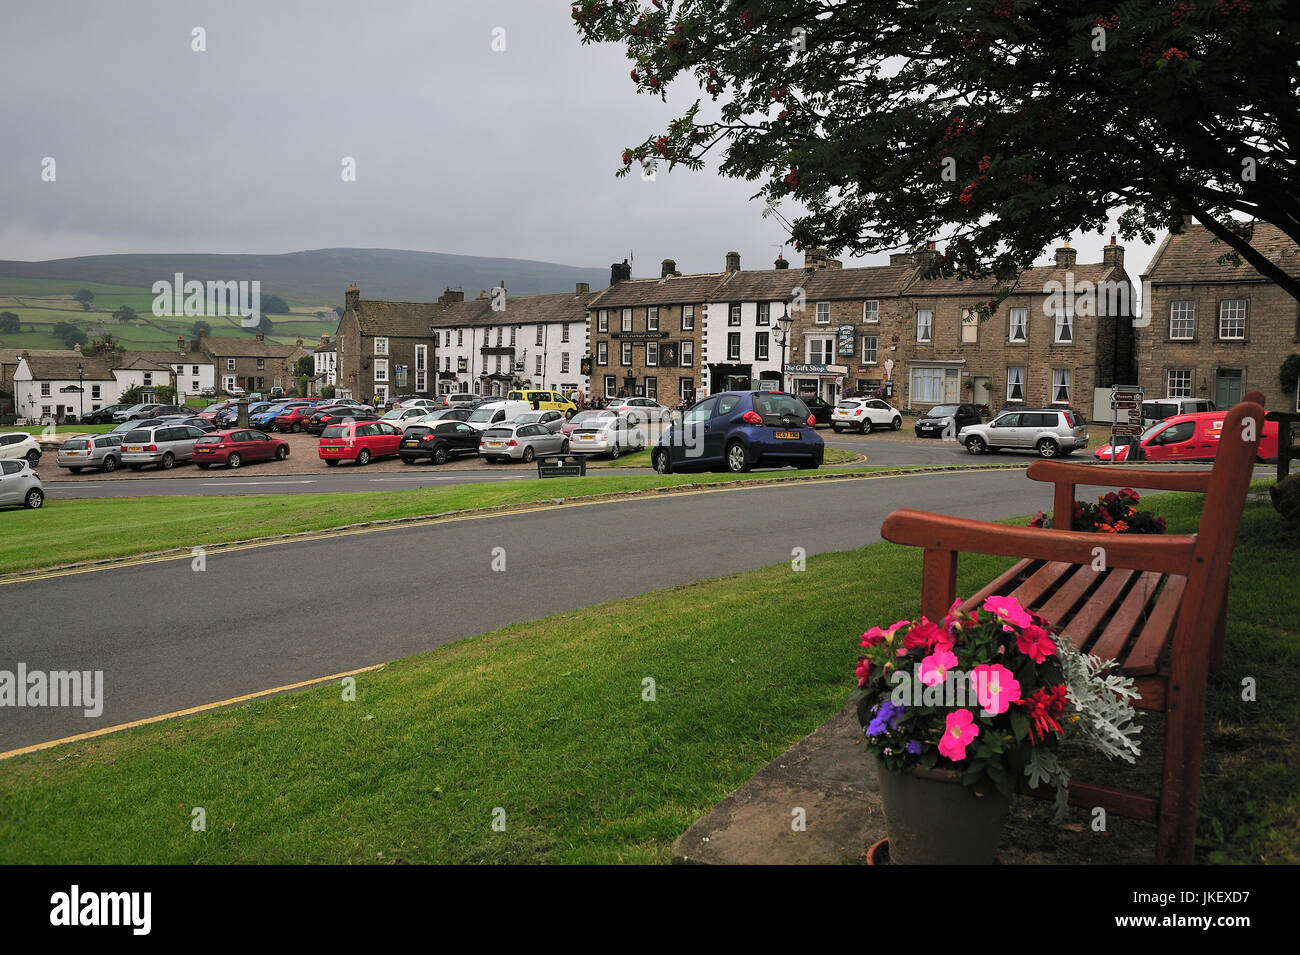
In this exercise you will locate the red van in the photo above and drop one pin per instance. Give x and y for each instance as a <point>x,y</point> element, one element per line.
<point>1190,437</point>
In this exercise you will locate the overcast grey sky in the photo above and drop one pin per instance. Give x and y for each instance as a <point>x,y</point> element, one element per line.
<point>458,148</point>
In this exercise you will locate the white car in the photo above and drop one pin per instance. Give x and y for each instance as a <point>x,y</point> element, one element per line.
<point>20,485</point>
<point>428,404</point>
<point>552,421</point>
<point>865,415</point>
<point>406,415</point>
<point>496,412</point>
<point>607,434</point>
<point>19,444</point>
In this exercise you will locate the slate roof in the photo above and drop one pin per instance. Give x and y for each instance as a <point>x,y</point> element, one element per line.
<point>763,285</point>
<point>519,310</point>
<point>63,367</point>
<point>1189,257</point>
<point>395,319</point>
<point>672,290</point>
<point>242,347</point>
<point>1032,281</point>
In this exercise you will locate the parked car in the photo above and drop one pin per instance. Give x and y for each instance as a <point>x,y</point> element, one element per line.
<point>403,415</point>
<point>496,412</point>
<point>520,442</point>
<point>439,441</point>
<point>820,408</point>
<point>235,391</point>
<point>540,400</point>
<point>131,411</point>
<point>552,421</point>
<point>128,426</point>
<point>208,393</point>
<point>641,410</point>
<point>211,411</point>
<point>865,415</point>
<point>444,414</point>
<point>584,416</point>
<point>275,392</point>
<point>194,421</point>
<point>341,414</point>
<point>152,410</point>
<point>20,444</point>
<point>103,415</point>
<point>740,430</point>
<point>607,432</point>
<point>946,420</point>
<point>1049,431</point>
<point>238,446</point>
<point>459,398</point>
<point>229,415</point>
<point>103,451</point>
<point>265,419</point>
<point>1165,408</point>
<point>1189,437</point>
<point>294,415</point>
<point>19,484</point>
<point>413,401</point>
<point>162,445</point>
<point>359,441</point>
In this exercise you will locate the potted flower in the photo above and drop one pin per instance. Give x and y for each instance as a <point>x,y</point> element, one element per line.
<point>963,712</point>
<point>1114,513</point>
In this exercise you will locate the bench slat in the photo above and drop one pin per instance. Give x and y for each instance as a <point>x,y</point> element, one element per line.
<point>1127,619</point>
<point>1000,584</point>
<point>1155,635</point>
<point>1081,627</point>
<point>1063,602</point>
<point>1043,580</point>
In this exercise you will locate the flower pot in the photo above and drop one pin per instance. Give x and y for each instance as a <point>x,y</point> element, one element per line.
<point>934,820</point>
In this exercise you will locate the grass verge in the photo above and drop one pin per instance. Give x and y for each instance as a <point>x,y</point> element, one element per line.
<point>641,459</point>
<point>545,720</point>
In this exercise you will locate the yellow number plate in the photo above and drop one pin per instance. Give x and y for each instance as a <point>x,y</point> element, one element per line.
<point>788,434</point>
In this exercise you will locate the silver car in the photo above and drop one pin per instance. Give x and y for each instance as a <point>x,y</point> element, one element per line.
<point>19,484</point>
<point>520,442</point>
<point>1049,431</point>
<point>610,434</point>
<point>103,451</point>
<point>162,445</point>
<point>552,421</point>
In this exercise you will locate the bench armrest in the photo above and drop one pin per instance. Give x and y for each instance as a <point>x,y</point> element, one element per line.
<point>1061,472</point>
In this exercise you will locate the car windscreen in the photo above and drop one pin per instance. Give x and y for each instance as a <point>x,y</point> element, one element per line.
<point>418,430</point>
<point>941,411</point>
<point>335,431</point>
<point>775,406</point>
<point>495,433</point>
<point>76,444</point>
<point>209,439</point>
<point>137,437</point>
<point>483,414</point>
<point>849,405</point>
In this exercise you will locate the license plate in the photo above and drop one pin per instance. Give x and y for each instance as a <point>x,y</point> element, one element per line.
<point>134,447</point>
<point>410,444</point>
<point>788,434</point>
<point>203,450</point>
<point>494,444</point>
<point>586,437</point>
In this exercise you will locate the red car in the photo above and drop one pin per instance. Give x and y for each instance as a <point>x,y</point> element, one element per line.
<point>358,441</point>
<point>293,417</point>
<point>210,412</point>
<point>238,446</point>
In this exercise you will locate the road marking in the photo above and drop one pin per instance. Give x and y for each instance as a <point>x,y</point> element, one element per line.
<point>36,747</point>
<point>251,483</point>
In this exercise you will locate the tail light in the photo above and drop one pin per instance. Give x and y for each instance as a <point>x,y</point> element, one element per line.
<point>512,443</point>
<point>429,437</point>
<point>857,412</point>
<point>151,447</point>
<point>753,417</point>
<point>1069,419</point>
<point>812,421</point>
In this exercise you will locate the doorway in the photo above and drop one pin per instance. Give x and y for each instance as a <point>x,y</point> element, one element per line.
<point>1227,388</point>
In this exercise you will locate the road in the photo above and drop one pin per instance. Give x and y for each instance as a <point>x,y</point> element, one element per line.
<point>169,637</point>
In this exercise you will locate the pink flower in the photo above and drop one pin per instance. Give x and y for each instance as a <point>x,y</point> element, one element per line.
<point>864,670</point>
<point>1034,643</point>
<point>922,635</point>
<point>875,635</point>
<point>934,668</point>
<point>1008,611</point>
<point>995,688</point>
<point>960,732</point>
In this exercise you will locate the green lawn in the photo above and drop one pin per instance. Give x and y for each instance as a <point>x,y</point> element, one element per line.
<point>69,531</point>
<point>546,721</point>
<point>641,459</point>
<point>66,428</point>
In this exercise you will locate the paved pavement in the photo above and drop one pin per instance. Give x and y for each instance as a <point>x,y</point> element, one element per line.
<point>169,637</point>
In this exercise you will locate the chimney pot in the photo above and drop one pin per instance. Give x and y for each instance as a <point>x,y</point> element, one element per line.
<point>1113,255</point>
<point>667,267</point>
<point>1066,256</point>
<point>619,272</point>
<point>780,262</point>
<point>352,298</point>
<point>582,288</point>
<point>733,261</point>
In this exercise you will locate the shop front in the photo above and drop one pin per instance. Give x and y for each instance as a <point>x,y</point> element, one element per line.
<point>822,381</point>
<point>730,377</point>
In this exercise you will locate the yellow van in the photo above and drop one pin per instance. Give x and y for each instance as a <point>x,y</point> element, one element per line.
<point>545,401</point>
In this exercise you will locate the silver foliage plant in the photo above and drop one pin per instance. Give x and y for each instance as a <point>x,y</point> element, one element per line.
<point>1102,714</point>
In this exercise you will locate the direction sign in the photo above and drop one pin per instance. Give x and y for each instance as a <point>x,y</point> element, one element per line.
<point>1126,430</point>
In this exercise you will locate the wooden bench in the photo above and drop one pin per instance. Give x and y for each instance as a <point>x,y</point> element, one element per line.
<point>1158,609</point>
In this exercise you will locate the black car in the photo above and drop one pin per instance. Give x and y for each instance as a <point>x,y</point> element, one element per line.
<point>439,442</point>
<point>103,415</point>
<point>318,421</point>
<point>946,421</point>
<point>821,410</point>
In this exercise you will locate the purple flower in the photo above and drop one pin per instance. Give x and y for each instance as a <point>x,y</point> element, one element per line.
<point>914,747</point>
<point>888,716</point>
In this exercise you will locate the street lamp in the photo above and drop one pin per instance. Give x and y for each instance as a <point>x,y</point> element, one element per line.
<point>783,325</point>
<point>81,383</point>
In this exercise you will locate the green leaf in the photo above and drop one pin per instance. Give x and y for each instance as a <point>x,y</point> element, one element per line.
<point>1019,724</point>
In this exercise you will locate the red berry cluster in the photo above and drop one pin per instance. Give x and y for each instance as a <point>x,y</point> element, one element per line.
<point>956,128</point>
<point>1232,7</point>
<point>1173,53</point>
<point>792,180</point>
<point>967,195</point>
<point>1107,23</point>
<point>1180,12</point>
<point>984,163</point>
<point>661,145</point>
<point>1006,9</point>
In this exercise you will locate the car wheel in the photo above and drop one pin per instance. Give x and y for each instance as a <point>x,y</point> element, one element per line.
<point>564,447</point>
<point>1047,448</point>
<point>529,454</point>
<point>234,460</point>
<point>282,452</point>
<point>34,499</point>
<point>110,463</point>
<point>75,470</point>
<point>737,462</point>
<point>439,456</point>
<point>866,426</point>
<point>168,462</point>
<point>406,459</point>
<point>976,445</point>
<point>296,428</point>
<point>33,457</point>
<point>663,464</point>
<point>897,423</point>
<point>363,457</point>
<point>836,428</point>
<point>330,463</point>
<point>615,452</point>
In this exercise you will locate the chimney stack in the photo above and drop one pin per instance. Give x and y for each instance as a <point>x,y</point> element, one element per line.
<point>352,298</point>
<point>780,262</point>
<point>1066,256</point>
<point>261,337</point>
<point>666,268</point>
<point>925,258</point>
<point>1113,255</point>
<point>816,258</point>
<point>324,340</point>
<point>902,258</point>
<point>450,295</point>
<point>582,288</point>
<point>619,272</point>
<point>733,261</point>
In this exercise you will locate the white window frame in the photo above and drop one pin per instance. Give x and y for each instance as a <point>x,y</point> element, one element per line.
<point>381,369</point>
<point>1223,306</point>
<point>651,318</point>
<point>1061,378</point>
<point>564,333</point>
<point>45,389</point>
<point>733,315</point>
<point>762,346</point>
<point>871,311</point>
<point>1182,312</point>
<point>421,368</point>
<point>688,354</point>
<point>626,320</point>
<point>686,388</point>
<point>602,320</point>
<point>651,354</point>
<point>872,356</point>
<point>381,346</point>
<point>969,320</point>
<point>652,387</point>
<point>826,351</point>
<point>823,316</point>
<point>625,354</point>
<point>733,346</point>
<point>1064,322</point>
<point>1018,321</point>
<point>538,365</point>
<point>688,318</point>
<point>230,364</point>
<point>611,386</point>
<point>564,363</point>
<point>1015,381</point>
<point>764,317</point>
<point>933,380</point>
<point>1181,390</point>
<point>924,325</point>
<point>602,353</point>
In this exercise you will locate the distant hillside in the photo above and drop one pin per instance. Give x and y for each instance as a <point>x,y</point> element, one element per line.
<point>321,275</point>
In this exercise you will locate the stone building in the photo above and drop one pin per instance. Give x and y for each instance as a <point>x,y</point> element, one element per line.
<point>1212,330</point>
<point>385,349</point>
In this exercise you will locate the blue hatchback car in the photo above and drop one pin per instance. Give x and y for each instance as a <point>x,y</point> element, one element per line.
<point>266,416</point>
<point>738,430</point>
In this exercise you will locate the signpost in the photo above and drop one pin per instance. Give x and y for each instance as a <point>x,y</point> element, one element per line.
<point>1126,419</point>
<point>562,466</point>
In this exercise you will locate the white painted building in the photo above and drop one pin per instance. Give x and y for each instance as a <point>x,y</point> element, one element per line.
<point>72,384</point>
